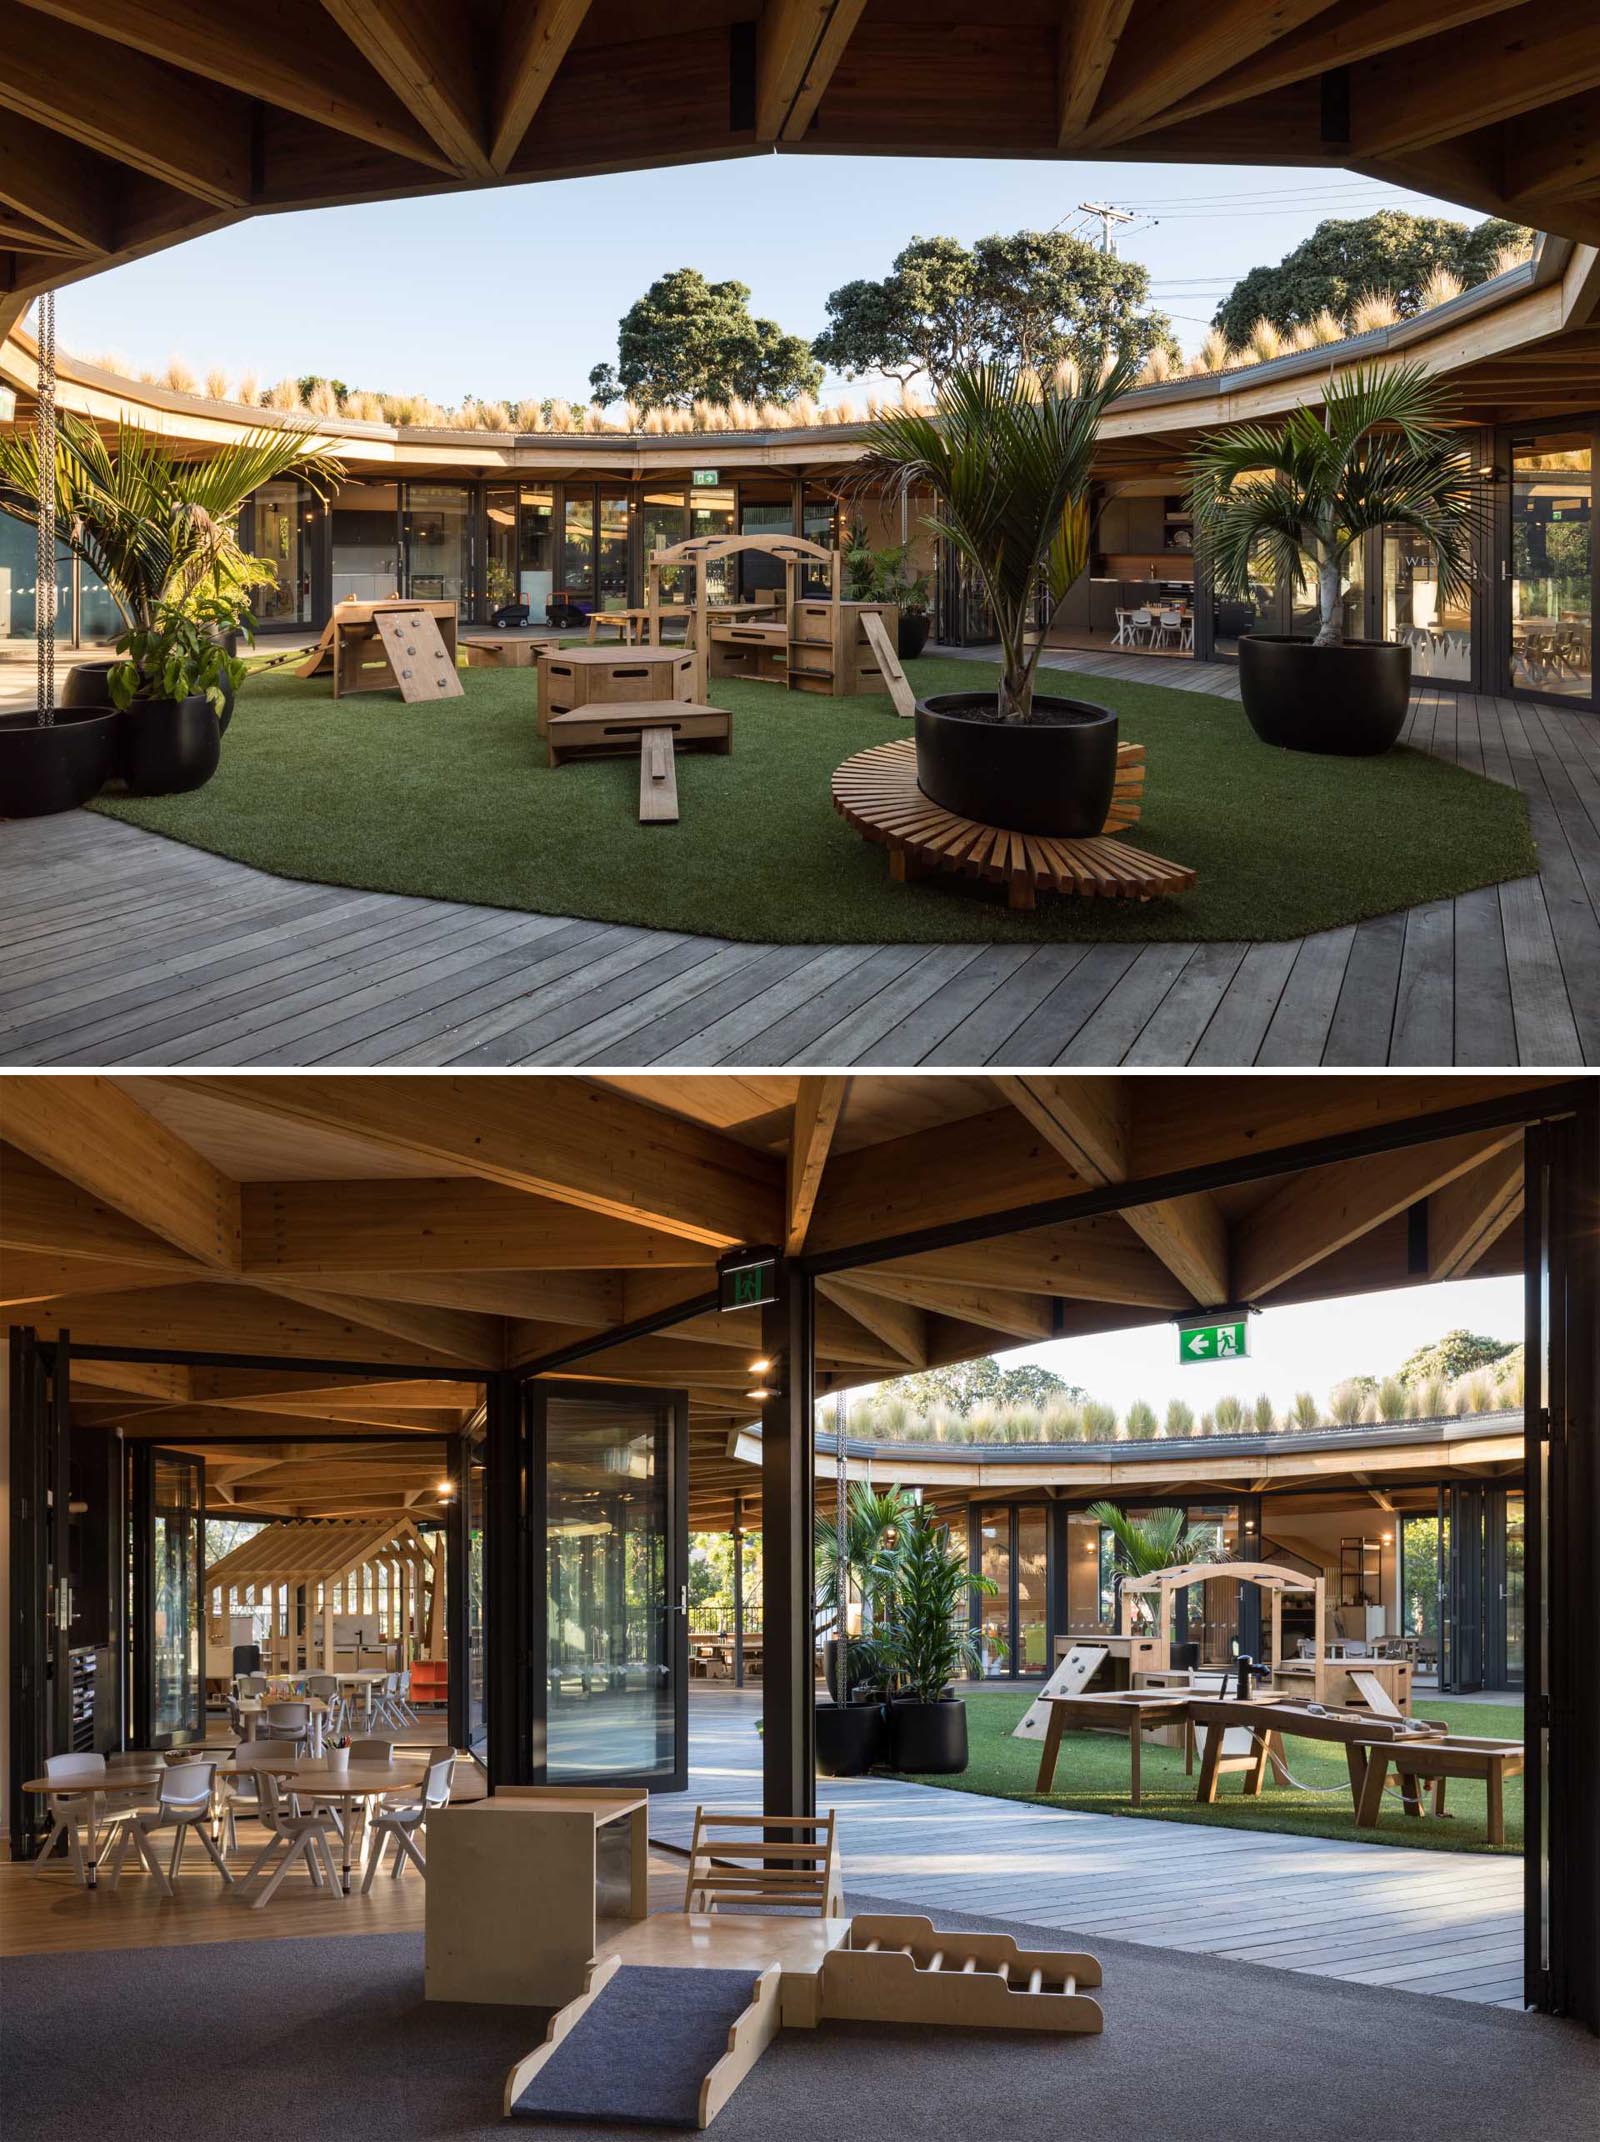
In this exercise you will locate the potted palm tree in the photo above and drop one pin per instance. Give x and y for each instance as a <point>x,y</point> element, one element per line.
<point>1298,498</point>
<point>862,1561</point>
<point>158,533</point>
<point>927,1643</point>
<point>1006,456</point>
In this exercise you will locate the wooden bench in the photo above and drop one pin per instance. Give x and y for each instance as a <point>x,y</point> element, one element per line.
<point>1435,1762</point>
<point>877,793</point>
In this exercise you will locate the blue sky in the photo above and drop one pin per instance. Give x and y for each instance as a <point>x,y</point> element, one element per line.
<point>528,282</point>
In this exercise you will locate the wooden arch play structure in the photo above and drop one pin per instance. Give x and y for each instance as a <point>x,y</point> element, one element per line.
<point>1269,1577</point>
<point>806,642</point>
<point>333,1587</point>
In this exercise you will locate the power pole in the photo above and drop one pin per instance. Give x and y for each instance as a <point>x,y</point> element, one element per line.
<point>1107,216</point>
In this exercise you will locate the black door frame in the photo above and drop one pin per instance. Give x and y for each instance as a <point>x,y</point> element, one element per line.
<point>1497,584</point>
<point>40,1696</point>
<point>141,1714</point>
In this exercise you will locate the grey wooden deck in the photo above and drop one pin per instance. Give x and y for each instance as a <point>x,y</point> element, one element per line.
<point>1381,1915</point>
<point>121,947</point>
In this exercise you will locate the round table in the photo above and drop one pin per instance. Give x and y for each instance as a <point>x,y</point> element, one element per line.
<point>125,1777</point>
<point>315,1781</point>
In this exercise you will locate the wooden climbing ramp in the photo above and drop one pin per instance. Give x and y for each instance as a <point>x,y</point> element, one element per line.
<point>877,793</point>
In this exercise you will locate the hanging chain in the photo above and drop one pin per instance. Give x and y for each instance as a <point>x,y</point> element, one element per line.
<point>45,442</point>
<point>842,1583</point>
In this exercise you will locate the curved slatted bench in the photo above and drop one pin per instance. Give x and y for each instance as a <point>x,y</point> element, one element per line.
<point>877,792</point>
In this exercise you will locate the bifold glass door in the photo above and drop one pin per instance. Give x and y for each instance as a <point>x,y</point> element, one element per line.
<point>1550,585</point>
<point>609,1519</point>
<point>168,1510</point>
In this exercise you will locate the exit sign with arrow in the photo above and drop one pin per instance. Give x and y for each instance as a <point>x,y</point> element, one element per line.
<point>1214,1342</point>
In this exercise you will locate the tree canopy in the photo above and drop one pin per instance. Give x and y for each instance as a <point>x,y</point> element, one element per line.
<point>982,1382</point>
<point>1032,299</point>
<point>1342,260</point>
<point>1458,1353</point>
<point>687,340</point>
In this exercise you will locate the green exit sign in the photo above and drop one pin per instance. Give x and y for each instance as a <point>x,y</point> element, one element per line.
<point>705,476</point>
<point>1214,1342</point>
<point>747,1279</point>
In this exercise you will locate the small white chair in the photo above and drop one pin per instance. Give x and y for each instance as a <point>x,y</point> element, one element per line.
<point>332,1721</point>
<point>1123,636</point>
<point>1141,628</point>
<point>289,1721</point>
<point>401,1824</point>
<point>71,1809</point>
<point>1169,628</point>
<point>241,1793</point>
<point>183,1804</point>
<point>303,1836</point>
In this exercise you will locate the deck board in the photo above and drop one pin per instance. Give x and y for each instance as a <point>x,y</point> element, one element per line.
<point>1376,1915</point>
<point>231,966</point>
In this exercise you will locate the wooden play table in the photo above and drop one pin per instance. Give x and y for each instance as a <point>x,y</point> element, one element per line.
<point>1435,1762</point>
<point>521,1884</point>
<point>121,1781</point>
<point>1269,1721</point>
<point>1133,1712</point>
<point>343,1790</point>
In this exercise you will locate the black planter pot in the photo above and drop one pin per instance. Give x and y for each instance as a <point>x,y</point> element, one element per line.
<point>170,745</point>
<point>1345,702</point>
<point>57,767</point>
<point>88,684</point>
<point>850,1738</point>
<point>1053,777</point>
<point>928,1739</point>
<point>913,634</point>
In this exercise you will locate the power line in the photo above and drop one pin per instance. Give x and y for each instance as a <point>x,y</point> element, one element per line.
<point>1107,216</point>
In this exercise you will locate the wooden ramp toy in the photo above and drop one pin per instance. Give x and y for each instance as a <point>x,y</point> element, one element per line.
<point>905,700</point>
<point>903,1970</point>
<point>355,648</point>
<point>658,779</point>
<point>422,666</point>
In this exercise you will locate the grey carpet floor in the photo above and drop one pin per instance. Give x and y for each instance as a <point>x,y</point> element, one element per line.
<point>332,2037</point>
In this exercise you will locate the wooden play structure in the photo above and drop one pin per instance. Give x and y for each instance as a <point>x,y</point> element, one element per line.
<point>877,793</point>
<point>496,651</point>
<point>710,1988</point>
<point>591,677</point>
<point>387,646</point>
<point>807,643</point>
<point>653,728</point>
<point>334,1590</point>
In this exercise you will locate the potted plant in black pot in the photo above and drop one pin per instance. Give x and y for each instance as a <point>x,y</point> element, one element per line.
<point>1007,457</point>
<point>862,1561</point>
<point>927,1644</point>
<point>169,689</point>
<point>1298,498</point>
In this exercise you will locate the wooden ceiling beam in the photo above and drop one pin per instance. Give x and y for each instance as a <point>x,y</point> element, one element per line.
<point>955,1171</point>
<point>900,1325</point>
<point>429,58</point>
<point>58,183</point>
<point>299,61</point>
<point>1086,1260</point>
<point>799,43</point>
<point>1085,49</point>
<point>565,1297</point>
<point>1178,49</point>
<point>1466,1217</point>
<point>1553,152</point>
<point>571,1139</point>
<point>477,1339</point>
<point>1337,37</point>
<point>135,110</point>
<point>26,1276</point>
<point>999,1312</point>
<point>535,37</point>
<point>452,1224</point>
<point>228,1320</point>
<point>1323,1209</point>
<point>90,1131</point>
<point>1492,70</point>
<point>817,1108</point>
<point>1087,1120</point>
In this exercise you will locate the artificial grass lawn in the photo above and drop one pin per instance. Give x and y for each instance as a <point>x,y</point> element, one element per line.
<point>454,800</point>
<point>1092,1775</point>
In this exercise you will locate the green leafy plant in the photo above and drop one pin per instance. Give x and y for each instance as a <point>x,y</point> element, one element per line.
<point>1158,1540</point>
<point>157,531</point>
<point>929,1639</point>
<point>1298,497</point>
<point>181,654</point>
<point>862,1562</point>
<point>1007,456</point>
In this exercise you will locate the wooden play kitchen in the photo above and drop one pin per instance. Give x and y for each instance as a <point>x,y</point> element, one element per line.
<point>761,1945</point>
<point>807,643</point>
<point>386,646</point>
<point>877,793</point>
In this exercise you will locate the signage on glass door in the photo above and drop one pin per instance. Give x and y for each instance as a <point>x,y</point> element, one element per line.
<point>1214,1342</point>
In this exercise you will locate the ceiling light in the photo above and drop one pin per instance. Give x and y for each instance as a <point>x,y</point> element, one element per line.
<point>761,1391</point>
<point>761,1367</point>
<point>447,1487</point>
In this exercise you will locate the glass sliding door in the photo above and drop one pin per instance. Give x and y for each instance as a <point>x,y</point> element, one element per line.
<point>500,548</point>
<point>168,1594</point>
<point>281,537</point>
<point>994,1608</point>
<point>536,552</point>
<point>611,552</point>
<point>577,549</point>
<point>474,1508</point>
<point>1551,583</point>
<point>1031,1654</point>
<point>610,1525</point>
<point>1515,1589</point>
<point>365,535</point>
<point>1437,628</point>
<point>439,543</point>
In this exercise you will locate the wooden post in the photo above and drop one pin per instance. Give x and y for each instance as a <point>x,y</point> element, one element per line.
<point>1319,1635</point>
<point>327,1628</point>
